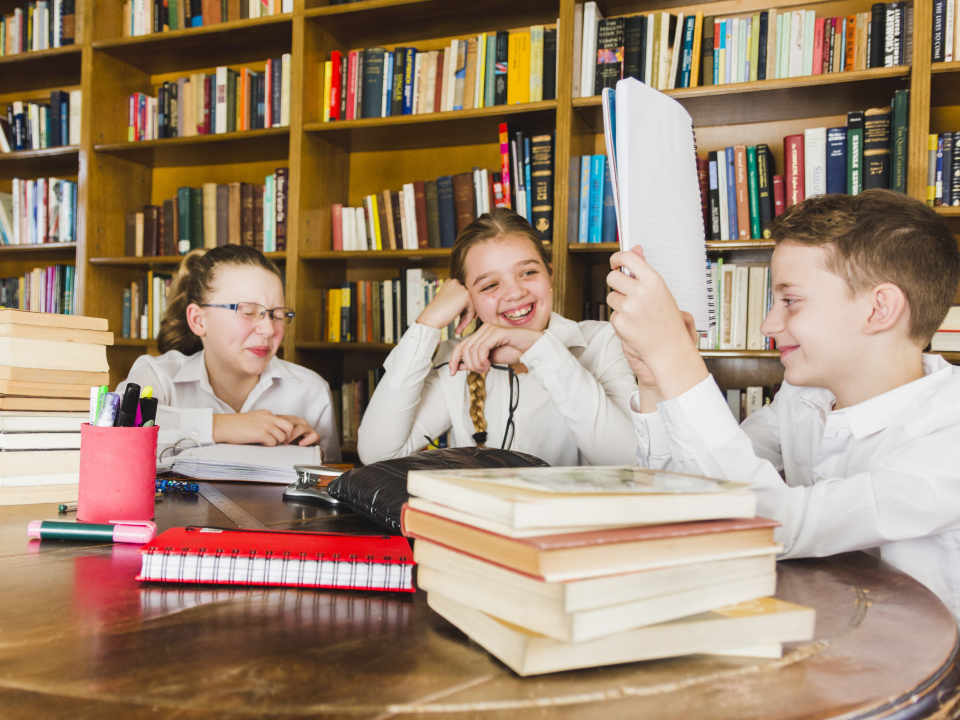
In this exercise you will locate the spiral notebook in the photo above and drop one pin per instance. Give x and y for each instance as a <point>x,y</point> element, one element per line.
<point>287,559</point>
<point>652,153</point>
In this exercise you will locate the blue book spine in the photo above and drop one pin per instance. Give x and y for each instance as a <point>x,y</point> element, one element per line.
<point>196,21</point>
<point>688,26</point>
<point>608,227</point>
<point>64,123</point>
<point>938,196</point>
<point>597,164</point>
<point>583,234</point>
<point>836,161</point>
<point>732,194</point>
<point>527,184</point>
<point>388,83</point>
<point>408,81</point>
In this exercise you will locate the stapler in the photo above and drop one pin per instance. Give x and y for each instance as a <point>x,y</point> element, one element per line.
<point>311,483</point>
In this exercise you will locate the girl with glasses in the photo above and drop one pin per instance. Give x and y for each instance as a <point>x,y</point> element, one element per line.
<point>218,378</point>
<point>528,379</point>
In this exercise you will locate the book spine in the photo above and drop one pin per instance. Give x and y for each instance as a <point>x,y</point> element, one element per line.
<point>901,118</point>
<point>947,156</point>
<point>854,152</point>
<point>876,148</point>
<point>541,172</point>
<point>815,161</point>
<point>836,160</point>
<point>742,188</point>
<point>753,186</point>
<point>764,188</point>
<point>794,172</point>
<point>373,59</point>
<point>732,208</point>
<point>596,198</point>
<point>714,197</point>
<point>707,52</point>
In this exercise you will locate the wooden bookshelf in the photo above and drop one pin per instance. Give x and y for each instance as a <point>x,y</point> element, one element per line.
<point>343,161</point>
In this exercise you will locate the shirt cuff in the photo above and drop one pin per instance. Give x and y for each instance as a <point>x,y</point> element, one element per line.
<point>546,356</point>
<point>699,419</point>
<point>197,423</point>
<point>648,427</point>
<point>413,353</point>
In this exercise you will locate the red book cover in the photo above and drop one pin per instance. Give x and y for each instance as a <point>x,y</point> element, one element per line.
<point>779,196</point>
<point>335,79</point>
<point>818,46</point>
<point>439,94</point>
<point>268,95</point>
<point>420,203</point>
<point>351,84</point>
<point>336,212</point>
<point>209,87</point>
<point>743,199</point>
<point>282,558</point>
<point>793,169</point>
<point>703,177</point>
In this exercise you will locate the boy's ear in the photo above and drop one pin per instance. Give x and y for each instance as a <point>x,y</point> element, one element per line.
<point>888,306</point>
<point>195,319</point>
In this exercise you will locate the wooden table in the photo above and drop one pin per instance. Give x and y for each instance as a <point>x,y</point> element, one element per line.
<point>80,638</point>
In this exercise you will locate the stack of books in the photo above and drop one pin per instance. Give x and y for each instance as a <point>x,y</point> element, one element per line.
<point>39,25</point>
<point>144,17</point>
<point>36,126</point>
<point>48,363</point>
<point>947,338</point>
<point>224,101</point>
<point>39,211</point>
<point>553,569</point>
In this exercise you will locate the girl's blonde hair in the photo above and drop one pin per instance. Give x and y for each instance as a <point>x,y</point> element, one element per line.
<point>496,224</point>
<point>193,283</point>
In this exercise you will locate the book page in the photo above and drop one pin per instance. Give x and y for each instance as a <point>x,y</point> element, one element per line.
<point>659,194</point>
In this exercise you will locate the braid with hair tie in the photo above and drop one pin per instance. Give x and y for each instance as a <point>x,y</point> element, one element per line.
<point>477,385</point>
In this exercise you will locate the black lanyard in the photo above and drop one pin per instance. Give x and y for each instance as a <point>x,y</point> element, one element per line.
<point>510,432</point>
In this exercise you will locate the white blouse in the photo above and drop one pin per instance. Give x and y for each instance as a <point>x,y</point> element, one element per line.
<point>573,407</point>
<point>187,401</point>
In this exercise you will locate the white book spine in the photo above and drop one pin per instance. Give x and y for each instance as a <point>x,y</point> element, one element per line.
<point>588,65</point>
<point>386,293</point>
<point>722,187</point>
<point>410,237</point>
<point>727,285</point>
<point>429,102</point>
<point>756,306</point>
<point>648,59</point>
<point>664,67</point>
<point>285,90</point>
<point>485,187</point>
<point>577,48</point>
<point>741,297</point>
<point>387,84</point>
<point>809,30</point>
<point>796,43</point>
<point>734,50</point>
<point>417,64</point>
<point>221,98</point>
<point>815,161</point>
<point>536,64</point>
<point>450,67</point>
<point>361,227</point>
<point>477,191</point>
<point>677,53</point>
<point>754,399</point>
<point>771,44</point>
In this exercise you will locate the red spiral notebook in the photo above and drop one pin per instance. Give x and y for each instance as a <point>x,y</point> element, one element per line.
<point>287,559</point>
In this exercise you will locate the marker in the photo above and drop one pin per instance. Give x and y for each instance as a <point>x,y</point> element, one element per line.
<point>128,406</point>
<point>94,404</point>
<point>147,392</point>
<point>133,531</point>
<point>148,411</point>
<point>108,413</point>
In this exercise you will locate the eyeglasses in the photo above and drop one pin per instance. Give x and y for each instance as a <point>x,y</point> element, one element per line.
<point>256,313</point>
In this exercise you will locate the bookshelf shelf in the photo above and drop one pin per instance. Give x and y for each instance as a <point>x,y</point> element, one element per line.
<point>428,257</point>
<point>237,147</point>
<point>950,357</point>
<point>55,161</point>
<point>773,100</point>
<point>948,211</point>
<point>944,83</point>
<point>712,246</point>
<point>39,251</point>
<point>459,127</point>
<point>41,69</point>
<point>346,346</point>
<point>149,262</point>
<point>238,41</point>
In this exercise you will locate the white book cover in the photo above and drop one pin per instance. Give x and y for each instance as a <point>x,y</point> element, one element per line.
<point>754,400</point>
<point>417,65</point>
<point>577,48</point>
<point>756,304</point>
<point>733,49</point>
<point>796,44</point>
<point>485,190</point>
<point>287,6</point>
<point>648,59</point>
<point>659,192</point>
<point>75,96</point>
<point>740,298</point>
<point>410,238</point>
<point>771,43</point>
<point>663,69</point>
<point>350,228</point>
<point>387,85</point>
<point>477,191</point>
<point>57,20</point>
<point>450,72</point>
<point>588,64</point>
<point>431,90</point>
<point>386,292</point>
<point>722,187</point>
<point>783,43</point>
<point>221,97</point>
<point>815,161</point>
<point>676,54</point>
<point>809,30</point>
<point>6,218</point>
<point>360,218</point>
<point>285,90</point>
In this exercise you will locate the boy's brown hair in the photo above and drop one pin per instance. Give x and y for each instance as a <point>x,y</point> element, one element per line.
<point>882,236</point>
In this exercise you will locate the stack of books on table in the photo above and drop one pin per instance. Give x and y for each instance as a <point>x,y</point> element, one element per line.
<point>48,363</point>
<point>553,569</point>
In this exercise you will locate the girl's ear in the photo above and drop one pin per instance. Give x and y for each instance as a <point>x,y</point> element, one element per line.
<point>195,319</point>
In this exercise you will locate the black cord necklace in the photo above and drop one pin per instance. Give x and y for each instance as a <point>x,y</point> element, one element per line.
<point>481,437</point>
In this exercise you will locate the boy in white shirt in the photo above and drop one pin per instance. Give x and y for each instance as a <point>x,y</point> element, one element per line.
<point>866,428</point>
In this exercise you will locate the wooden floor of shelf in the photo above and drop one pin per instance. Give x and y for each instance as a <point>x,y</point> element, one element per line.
<point>41,69</point>
<point>346,346</point>
<point>48,162</point>
<point>135,262</point>
<point>224,148</point>
<point>36,250</point>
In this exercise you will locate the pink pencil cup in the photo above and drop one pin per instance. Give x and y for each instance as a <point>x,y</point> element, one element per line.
<point>118,470</point>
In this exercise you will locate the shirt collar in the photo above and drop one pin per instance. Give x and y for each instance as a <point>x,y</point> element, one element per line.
<point>882,411</point>
<point>195,370</point>
<point>566,331</point>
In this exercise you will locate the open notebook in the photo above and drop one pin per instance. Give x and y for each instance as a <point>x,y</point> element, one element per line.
<point>653,169</point>
<point>244,462</point>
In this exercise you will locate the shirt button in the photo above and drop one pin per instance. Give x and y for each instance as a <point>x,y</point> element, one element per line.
<point>669,428</point>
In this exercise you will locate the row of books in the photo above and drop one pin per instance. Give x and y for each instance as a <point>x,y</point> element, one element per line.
<point>744,296</point>
<point>144,304</point>
<point>744,402</point>
<point>592,192</point>
<point>39,25</point>
<point>635,580</point>
<point>502,68</point>
<point>350,402</point>
<point>39,211</point>
<point>945,31</point>
<point>35,126</point>
<point>947,338</point>
<point>379,311</point>
<point>46,289</point>
<point>145,17</point>
<point>943,169</point>
<point>225,101</point>
<point>213,215</point>
<point>667,51</point>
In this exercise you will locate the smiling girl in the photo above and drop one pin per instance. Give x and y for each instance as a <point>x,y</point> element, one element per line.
<point>571,383</point>
<point>218,379</point>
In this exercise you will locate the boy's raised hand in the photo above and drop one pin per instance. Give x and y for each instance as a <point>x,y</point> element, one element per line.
<point>452,301</point>
<point>648,321</point>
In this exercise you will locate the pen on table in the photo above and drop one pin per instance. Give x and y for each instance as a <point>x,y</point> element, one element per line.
<point>128,406</point>
<point>66,507</point>
<point>132,531</point>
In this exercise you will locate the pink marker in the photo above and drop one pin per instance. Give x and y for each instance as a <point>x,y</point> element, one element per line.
<point>138,532</point>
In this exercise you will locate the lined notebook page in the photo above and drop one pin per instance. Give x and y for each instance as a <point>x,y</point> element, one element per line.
<point>659,194</point>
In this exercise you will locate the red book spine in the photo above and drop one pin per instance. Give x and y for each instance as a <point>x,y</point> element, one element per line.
<point>827,43</point>
<point>743,199</point>
<point>818,46</point>
<point>793,169</point>
<point>439,88</point>
<point>335,79</point>
<point>336,212</point>
<point>268,95</point>
<point>420,206</point>
<point>505,164</point>
<point>779,196</point>
<point>208,87</point>
<point>351,84</point>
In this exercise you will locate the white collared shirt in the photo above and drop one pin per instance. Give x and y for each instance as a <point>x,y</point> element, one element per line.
<point>187,401</point>
<point>884,473</point>
<point>573,407</point>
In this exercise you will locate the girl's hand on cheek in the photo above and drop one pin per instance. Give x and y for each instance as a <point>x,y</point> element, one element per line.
<point>258,427</point>
<point>451,302</point>
<point>492,344</point>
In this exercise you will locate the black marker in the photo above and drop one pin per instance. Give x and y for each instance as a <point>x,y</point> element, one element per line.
<point>128,406</point>
<point>148,411</point>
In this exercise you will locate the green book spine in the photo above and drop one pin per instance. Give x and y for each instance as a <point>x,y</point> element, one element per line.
<point>196,218</point>
<point>753,185</point>
<point>172,10</point>
<point>183,211</point>
<point>901,114</point>
<point>231,100</point>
